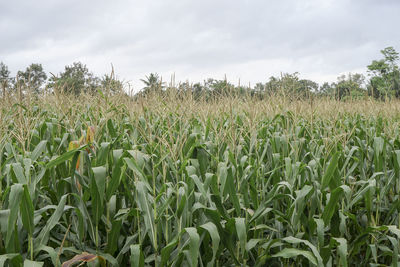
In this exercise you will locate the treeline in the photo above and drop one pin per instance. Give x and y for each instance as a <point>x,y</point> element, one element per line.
<point>383,82</point>
<point>75,79</point>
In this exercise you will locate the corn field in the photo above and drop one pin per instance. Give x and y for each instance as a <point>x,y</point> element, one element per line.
<point>108,182</point>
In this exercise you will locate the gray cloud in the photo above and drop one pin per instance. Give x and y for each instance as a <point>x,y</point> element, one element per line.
<point>251,40</point>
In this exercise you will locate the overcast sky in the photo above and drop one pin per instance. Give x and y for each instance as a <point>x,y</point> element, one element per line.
<point>250,40</point>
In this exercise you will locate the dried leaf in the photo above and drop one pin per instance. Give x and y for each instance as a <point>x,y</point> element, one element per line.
<point>84,257</point>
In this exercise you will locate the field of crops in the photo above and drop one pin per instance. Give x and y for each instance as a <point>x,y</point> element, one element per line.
<point>184,183</point>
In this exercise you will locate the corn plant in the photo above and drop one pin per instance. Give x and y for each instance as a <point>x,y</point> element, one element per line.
<point>161,187</point>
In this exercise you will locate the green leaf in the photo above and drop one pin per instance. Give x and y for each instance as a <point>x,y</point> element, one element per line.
<point>132,164</point>
<point>241,232</point>
<point>148,214</point>
<point>299,204</point>
<point>28,263</point>
<point>19,173</point>
<point>111,128</point>
<point>137,259</point>
<point>370,185</point>
<point>294,240</point>
<point>294,252</point>
<point>7,257</point>
<point>51,252</point>
<point>213,231</point>
<point>44,234</point>
<point>27,211</point>
<point>342,249</point>
<point>330,170</point>
<point>14,203</point>
<point>64,157</point>
<point>202,157</point>
<point>194,245</point>
<point>394,230</point>
<point>395,254</point>
<point>117,174</point>
<point>230,186</point>
<point>102,155</point>
<point>199,185</point>
<point>100,174</point>
<point>103,257</point>
<point>330,208</point>
<point>320,232</point>
<point>39,149</point>
<point>261,211</point>
<point>166,252</point>
<point>97,188</point>
<point>113,236</point>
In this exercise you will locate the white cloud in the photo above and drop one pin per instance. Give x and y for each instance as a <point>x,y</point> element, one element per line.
<point>250,40</point>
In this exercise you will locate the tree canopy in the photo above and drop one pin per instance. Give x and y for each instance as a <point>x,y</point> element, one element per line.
<point>383,83</point>
<point>33,78</point>
<point>385,75</point>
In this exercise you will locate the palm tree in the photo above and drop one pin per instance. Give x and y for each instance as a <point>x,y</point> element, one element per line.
<point>153,83</point>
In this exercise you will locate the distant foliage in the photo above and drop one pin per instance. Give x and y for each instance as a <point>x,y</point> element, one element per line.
<point>347,86</point>
<point>111,84</point>
<point>5,78</point>
<point>385,75</point>
<point>76,79</point>
<point>33,78</point>
<point>153,84</point>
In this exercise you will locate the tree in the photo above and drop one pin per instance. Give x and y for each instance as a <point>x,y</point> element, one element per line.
<point>4,77</point>
<point>306,87</point>
<point>289,84</point>
<point>32,78</point>
<point>197,90</point>
<point>259,87</point>
<point>219,87</point>
<point>272,86</point>
<point>76,79</point>
<point>348,85</point>
<point>391,56</point>
<point>111,84</point>
<point>327,89</point>
<point>153,83</point>
<point>385,75</point>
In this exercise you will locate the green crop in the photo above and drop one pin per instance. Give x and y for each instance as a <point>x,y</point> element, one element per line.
<point>173,185</point>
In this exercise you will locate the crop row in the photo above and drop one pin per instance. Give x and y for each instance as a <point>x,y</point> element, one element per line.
<point>159,190</point>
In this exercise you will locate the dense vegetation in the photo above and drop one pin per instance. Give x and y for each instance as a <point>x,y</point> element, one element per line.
<point>230,182</point>
<point>383,83</point>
